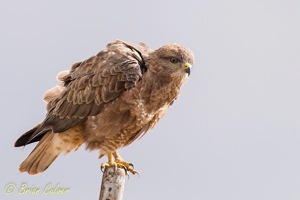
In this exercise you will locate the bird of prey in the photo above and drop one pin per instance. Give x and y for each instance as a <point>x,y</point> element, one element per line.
<point>106,102</point>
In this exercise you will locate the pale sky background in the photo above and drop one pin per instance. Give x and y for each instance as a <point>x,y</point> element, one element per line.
<point>234,133</point>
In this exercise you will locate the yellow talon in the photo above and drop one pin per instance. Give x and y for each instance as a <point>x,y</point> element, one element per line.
<point>118,163</point>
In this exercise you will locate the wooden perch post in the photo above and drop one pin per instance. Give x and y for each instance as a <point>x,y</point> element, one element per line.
<point>113,183</point>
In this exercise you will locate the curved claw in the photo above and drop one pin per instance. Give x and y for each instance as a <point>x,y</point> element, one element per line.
<point>115,168</point>
<point>138,174</point>
<point>131,165</point>
<point>103,165</point>
<point>126,170</point>
<point>132,171</point>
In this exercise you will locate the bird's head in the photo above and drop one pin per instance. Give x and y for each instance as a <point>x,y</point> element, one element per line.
<point>173,59</point>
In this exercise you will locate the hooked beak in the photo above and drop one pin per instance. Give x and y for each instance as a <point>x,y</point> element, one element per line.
<point>187,68</point>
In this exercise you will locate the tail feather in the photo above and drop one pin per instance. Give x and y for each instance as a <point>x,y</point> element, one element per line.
<point>49,147</point>
<point>42,155</point>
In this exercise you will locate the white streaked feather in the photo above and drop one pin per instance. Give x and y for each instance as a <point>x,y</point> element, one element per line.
<point>55,91</point>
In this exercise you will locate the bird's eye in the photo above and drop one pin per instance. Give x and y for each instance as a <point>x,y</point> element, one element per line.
<point>173,60</point>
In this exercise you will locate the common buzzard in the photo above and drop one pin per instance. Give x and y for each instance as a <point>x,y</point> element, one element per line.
<point>107,102</point>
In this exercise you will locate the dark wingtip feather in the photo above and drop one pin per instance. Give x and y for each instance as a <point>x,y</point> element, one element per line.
<point>24,139</point>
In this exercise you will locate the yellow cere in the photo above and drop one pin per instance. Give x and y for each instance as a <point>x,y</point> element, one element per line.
<point>186,65</point>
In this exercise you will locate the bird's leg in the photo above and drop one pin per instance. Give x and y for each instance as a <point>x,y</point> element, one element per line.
<point>110,163</point>
<point>126,165</point>
<point>118,163</point>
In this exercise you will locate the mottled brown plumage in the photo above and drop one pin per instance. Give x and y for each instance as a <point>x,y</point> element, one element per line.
<point>107,101</point>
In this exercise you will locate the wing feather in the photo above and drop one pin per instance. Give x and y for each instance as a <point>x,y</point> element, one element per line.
<point>93,83</point>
